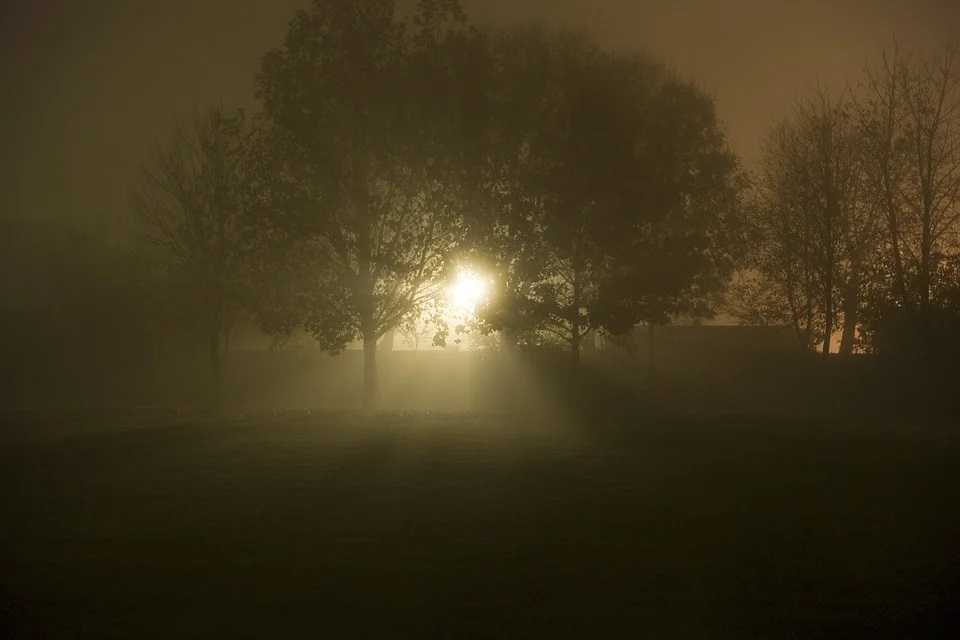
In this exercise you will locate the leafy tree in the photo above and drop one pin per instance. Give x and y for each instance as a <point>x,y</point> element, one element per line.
<point>188,204</point>
<point>686,214</point>
<point>360,200</point>
<point>608,189</point>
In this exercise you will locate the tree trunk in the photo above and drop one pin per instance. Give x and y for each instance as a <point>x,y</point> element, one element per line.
<point>848,339</point>
<point>851,313</point>
<point>575,320</point>
<point>389,338</point>
<point>589,342</point>
<point>925,268</point>
<point>828,311</point>
<point>366,311</point>
<point>651,353</point>
<point>899,274</point>
<point>575,351</point>
<point>157,369</point>
<point>828,322</point>
<point>216,381</point>
<point>893,220</point>
<point>833,213</point>
<point>369,402</point>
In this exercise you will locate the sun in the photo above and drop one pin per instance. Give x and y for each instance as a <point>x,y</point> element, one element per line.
<point>468,290</point>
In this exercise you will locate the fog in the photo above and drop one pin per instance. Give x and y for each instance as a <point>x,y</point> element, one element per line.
<point>492,318</point>
<point>91,85</point>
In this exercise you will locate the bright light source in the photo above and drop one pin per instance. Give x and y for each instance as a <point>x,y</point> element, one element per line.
<point>468,290</point>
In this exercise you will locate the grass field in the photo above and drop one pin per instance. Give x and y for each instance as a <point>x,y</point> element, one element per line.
<point>464,526</point>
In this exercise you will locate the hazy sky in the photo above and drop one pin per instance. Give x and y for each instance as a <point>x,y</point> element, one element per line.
<point>89,84</point>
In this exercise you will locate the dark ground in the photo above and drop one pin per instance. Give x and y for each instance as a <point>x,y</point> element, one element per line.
<point>144,525</point>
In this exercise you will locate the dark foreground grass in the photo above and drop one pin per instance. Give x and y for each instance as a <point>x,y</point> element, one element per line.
<point>458,526</point>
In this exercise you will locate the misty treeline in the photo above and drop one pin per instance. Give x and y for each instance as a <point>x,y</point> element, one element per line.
<point>595,189</point>
<point>855,218</point>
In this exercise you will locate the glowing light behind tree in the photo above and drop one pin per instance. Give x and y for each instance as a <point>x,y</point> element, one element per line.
<point>467,291</point>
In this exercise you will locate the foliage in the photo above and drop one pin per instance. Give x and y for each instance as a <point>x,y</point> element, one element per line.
<point>414,331</point>
<point>361,198</point>
<point>891,329</point>
<point>607,187</point>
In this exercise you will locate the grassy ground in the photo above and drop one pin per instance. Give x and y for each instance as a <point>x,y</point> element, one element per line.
<point>459,526</point>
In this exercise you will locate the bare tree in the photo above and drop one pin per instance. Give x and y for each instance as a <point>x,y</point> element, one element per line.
<point>415,331</point>
<point>188,206</point>
<point>882,114</point>
<point>860,222</point>
<point>932,98</point>
<point>909,110</point>
<point>781,283</point>
<point>814,230</point>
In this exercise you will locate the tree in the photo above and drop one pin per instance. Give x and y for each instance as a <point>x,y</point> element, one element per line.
<point>414,332</point>
<point>363,191</point>
<point>910,113</point>
<point>933,128</point>
<point>188,204</point>
<point>778,284</point>
<point>882,117</point>
<point>814,229</point>
<point>608,187</point>
<point>890,331</point>
<point>685,215</point>
<point>859,199</point>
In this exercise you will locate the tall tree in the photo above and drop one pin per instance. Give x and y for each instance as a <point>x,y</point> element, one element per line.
<point>910,116</point>
<point>815,229</point>
<point>607,183</point>
<point>188,203</point>
<point>685,213</point>
<point>779,282</point>
<point>882,114</point>
<point>362,111</point>
<point>932,97</point>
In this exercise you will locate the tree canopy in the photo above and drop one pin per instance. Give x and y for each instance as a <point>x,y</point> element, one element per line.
<point>361,111</point>
<point>611,194</point>
<point>596,188</point>
<point>858,208</point>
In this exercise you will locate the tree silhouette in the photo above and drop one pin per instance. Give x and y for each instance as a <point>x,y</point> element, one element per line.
<point>815,228</point>
<point>188,202</point>
<point>609,190</point>
<point>910,113</point>
<point>361,189</point>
